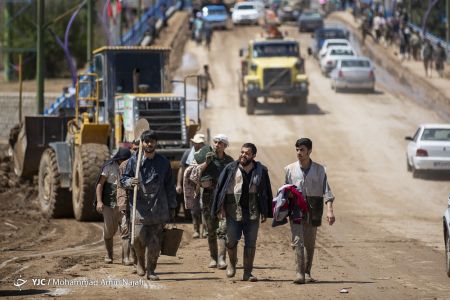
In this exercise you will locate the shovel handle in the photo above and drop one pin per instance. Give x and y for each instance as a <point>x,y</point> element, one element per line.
<point>135,191</point>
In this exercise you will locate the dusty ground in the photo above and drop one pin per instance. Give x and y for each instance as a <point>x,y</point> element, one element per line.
<point>386,244</point>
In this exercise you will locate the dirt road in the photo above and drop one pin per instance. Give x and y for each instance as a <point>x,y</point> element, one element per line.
<point>386,244</point>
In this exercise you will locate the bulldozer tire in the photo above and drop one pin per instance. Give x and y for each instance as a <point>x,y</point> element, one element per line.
<point>302,104</point>
<point>89,158</point>
<point>54,201</point>
<point>251,101</point>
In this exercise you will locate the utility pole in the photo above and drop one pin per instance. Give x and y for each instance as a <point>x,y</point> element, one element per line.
<point>7,38</point>
<point>139,10</point>
<point>90,33</point>
<point>40,57</point>
<point>447,24</point>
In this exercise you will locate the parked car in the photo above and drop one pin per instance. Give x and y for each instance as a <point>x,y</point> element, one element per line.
<point>353,73</point>
<point>429,149</point>
<point>216,15</point>
<point>247,12</point>
<point>447,236</point>
<point>323,34</point>
<point>328,61</point>
<point>333,42</point>
<point>310,21</point>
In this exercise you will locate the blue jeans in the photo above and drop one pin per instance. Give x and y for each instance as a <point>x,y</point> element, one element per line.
<point>246,226</point>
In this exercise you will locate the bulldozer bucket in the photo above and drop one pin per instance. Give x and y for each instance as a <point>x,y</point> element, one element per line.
<point>35,134</point>
<point>94,133</point>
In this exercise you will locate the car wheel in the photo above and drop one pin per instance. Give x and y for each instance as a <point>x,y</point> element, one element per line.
<point>416,173</point>
<point>408,166</point>
<point>447,252</point>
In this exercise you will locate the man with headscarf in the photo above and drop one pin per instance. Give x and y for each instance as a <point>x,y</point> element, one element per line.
<point>106,199</point>
<point>211,161</point>
<point>198,141</point>
<point>244,196</point>
<point>155,205</point>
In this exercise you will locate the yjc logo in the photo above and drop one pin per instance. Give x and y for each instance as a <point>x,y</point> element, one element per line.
<point>18,282</point>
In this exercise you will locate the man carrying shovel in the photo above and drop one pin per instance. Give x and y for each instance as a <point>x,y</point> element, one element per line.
<point>155,201</point>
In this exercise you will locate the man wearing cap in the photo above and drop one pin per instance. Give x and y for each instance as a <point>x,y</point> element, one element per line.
<point>244,196</point>
<point>106,199</point>
<point>198,141</point>
<point>211,161</point>
<point>311,180</point>
<point>156,202</point>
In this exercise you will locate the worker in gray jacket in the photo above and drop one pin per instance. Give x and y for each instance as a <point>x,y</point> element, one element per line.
<point>311,180</point>
<point>155,205</point>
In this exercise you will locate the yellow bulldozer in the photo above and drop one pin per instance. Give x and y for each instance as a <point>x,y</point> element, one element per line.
<point>67,151</point>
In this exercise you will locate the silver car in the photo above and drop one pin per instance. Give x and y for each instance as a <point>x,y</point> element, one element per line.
<point>353,73</point>
<point>447,236</point>
<point>429,149</point>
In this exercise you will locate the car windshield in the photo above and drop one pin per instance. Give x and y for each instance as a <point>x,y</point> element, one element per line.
<point>355,63</point>
<point>337,44</point>
<point>243,7</point>
<point>336,52</point>
<point>275,49</point>
<point>436,134</point>
<point>215,11</point>
<point>311,15</point>
<point>332,34</point>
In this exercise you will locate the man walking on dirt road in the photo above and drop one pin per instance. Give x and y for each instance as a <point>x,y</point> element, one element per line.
<point>156,202</point>
<point>123,201</point>
<point>204,80</point>
<point>206,173</point>
<point>244,196</point>
<point>106,198</point>
<point>311,180</point>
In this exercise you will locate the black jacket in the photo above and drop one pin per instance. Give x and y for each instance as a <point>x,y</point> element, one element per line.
<point>264,190</point>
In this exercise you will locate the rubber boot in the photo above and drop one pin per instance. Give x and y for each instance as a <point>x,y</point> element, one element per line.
<point>249,257</point>
<point>309,260</point>
<point>196,224</point>
<point>232,256</point>
<point>221,258</point>
<point>109,251</point>
<point>299,254</point>
<point>140,259</point>
<point>204,227</point>
<point>126,253</point>
<point>152,259</point>
<point>213,253</point>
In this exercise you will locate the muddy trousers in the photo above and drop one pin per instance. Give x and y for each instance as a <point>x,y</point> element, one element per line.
<point>216,229</point>
<point>303,238</point>
<point>125,234</point>
<point>196,214</point>
<point>147,238</point>
<point>111,223</point>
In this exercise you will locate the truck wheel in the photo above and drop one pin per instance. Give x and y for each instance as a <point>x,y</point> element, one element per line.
<point>54,201</point>
<point>251,101</point>
<point>302,104</point>
<point>241,99</point>
<point>86,167</point>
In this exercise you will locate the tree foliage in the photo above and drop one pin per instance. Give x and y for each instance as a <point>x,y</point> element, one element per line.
<point>57,15</point>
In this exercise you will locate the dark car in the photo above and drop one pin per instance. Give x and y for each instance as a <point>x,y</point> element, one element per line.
<point>288,11</point>
<point>310,21</point>
<point>325,33</point>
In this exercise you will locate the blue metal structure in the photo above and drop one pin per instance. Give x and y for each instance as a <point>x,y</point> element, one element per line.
<point>131,38</point>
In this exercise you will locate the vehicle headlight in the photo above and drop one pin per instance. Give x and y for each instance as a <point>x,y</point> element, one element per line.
<point>253,85</point>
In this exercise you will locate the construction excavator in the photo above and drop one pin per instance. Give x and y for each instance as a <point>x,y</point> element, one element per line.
<point>66,151</point>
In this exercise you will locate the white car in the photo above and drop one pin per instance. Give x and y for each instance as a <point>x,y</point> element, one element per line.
<point>429,149</point>
<point>447,236</point>
<point>328,61</point>
<point>332,42</point>
<point>353,73</point>
<point>247,12</point>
